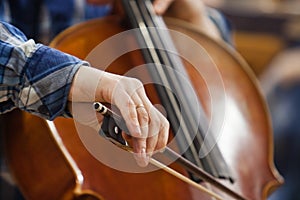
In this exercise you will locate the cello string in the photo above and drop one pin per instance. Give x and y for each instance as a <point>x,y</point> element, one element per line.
<point>184,178</point>
<point>165,58</point>
<point>168,152</point>
<point>162,75</point>
<point>162,40</point>
<point>214,161</point>
<point>216,166</point>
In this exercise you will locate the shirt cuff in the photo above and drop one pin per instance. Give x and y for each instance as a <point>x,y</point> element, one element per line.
<point>48,78</point>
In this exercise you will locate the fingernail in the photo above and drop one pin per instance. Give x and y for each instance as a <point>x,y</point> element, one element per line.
<point>142,158</point>
<point>159,7</point>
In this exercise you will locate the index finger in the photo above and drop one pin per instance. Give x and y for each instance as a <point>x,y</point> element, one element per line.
<point>161,6</point>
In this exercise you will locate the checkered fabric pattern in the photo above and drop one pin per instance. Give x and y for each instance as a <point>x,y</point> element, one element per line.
<point>34,77</point>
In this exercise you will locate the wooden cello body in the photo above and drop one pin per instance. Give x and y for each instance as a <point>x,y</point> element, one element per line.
<point>49,160</point>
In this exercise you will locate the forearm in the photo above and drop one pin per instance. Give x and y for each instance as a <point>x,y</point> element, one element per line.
<point>34,78</point>
<point>206,19</point>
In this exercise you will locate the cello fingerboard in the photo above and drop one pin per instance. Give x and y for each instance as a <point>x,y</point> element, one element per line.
<point>177,95</point>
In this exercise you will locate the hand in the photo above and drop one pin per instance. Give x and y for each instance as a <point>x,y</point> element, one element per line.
<point>192,11</point>
<point>160,6</point>
<point>148,128</point>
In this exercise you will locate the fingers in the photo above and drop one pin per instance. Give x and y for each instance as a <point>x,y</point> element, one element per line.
<point>160,6</point>
<point>148,127</point>
<point>140,147</point>
<point>154,129</point>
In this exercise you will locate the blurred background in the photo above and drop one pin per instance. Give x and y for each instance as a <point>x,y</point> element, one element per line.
<point>267,35</point>
<point>40,20</point>
<point>265,32</point>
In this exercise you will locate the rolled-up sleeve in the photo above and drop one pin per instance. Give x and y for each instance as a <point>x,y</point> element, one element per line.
<point>34,77</point>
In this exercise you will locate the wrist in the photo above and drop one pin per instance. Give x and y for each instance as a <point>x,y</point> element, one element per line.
<point>91,84</point>
<point>85,84</point>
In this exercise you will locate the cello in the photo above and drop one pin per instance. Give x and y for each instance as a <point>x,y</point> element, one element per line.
<point>63,167</point>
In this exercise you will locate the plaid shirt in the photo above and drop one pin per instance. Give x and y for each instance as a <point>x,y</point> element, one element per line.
<point>37,79</point>
<point>34,77</point>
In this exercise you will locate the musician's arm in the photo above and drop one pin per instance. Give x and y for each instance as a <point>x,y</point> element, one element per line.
<point>206,19</point>
<point>42,81</point>
<point>34,77</point>
<point>221,23</point>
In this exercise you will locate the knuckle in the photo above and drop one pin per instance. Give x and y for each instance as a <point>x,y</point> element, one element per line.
<point>133,116</point>
<point>137,82</point>
<point>144,117</point>
<point>134,81</point>
<point>166,124</point>
<point>155,121</point>
<point>131,107</point>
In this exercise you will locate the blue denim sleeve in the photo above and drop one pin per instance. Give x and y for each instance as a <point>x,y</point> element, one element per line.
<point>222,24</point>
<point>34,77</point>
